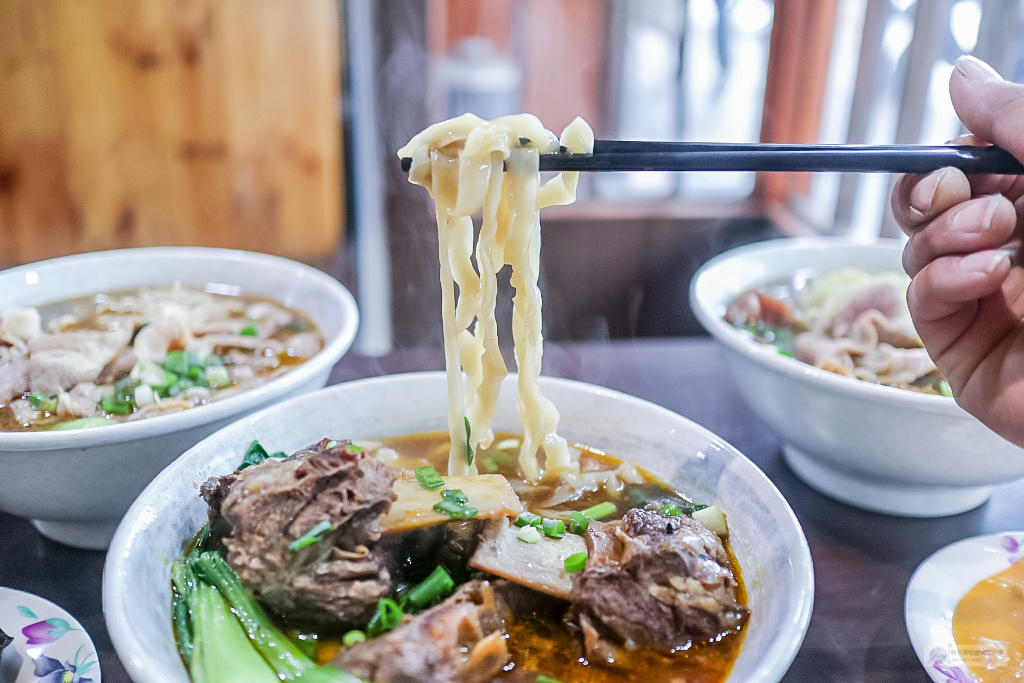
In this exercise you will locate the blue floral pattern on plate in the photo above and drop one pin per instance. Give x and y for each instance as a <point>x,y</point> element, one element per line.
<point>50,646</point>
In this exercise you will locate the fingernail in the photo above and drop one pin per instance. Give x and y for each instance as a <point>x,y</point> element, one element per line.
<point>923,194</point>
<point>973,69</point>
<point>976,216</point>
<point>984,261</point>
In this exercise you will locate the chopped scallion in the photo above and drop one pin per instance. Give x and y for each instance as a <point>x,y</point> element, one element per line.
<point>578,523</point>
<point>529,519</point>
<point>575,562</point>
<point>352,448</point>
<point>671,510</point>
<point>387,617</point>
<point>249,331</point>
<point>113,406</point>
<point>217,376</point>
<point>541,678</point>
<point>600,510</point>
<point>453,509</point>
<point>312,536</point>
<point>529,534</point>
<point>469,449</point>
<point>553,528</point>
<point>456,496</point>
<point>41,401</point>
<point>352,637</point>
<point>433,589</point>
<point>176,362</point>
<point>428,477</point>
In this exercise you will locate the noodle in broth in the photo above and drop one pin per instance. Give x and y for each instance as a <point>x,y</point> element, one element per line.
<point>468,165</point>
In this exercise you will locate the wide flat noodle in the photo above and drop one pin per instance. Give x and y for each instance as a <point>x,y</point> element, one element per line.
<point>462,162</point>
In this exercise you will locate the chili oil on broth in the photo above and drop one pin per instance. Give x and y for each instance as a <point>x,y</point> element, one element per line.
<point>543,643</point>
<point>114,309</point>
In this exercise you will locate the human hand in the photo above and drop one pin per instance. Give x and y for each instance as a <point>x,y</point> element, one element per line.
<point>967,290</point>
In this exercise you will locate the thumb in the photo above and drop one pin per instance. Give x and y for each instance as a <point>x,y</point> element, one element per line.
<point>991,108</point>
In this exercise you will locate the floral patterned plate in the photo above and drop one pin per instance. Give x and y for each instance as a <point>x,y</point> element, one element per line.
<point>50,646</point>
<point>936,588</point>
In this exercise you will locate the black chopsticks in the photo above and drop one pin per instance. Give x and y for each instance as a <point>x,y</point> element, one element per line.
<point>627,155</point>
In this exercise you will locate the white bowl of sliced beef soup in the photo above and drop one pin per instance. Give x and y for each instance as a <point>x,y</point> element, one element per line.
<point>819,339</point>
<point>112,364</point>
<point>329,528</point>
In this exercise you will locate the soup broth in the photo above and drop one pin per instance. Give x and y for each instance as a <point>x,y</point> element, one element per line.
<point>542,643</point>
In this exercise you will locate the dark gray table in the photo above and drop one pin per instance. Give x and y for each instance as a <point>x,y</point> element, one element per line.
<point>862,561</point>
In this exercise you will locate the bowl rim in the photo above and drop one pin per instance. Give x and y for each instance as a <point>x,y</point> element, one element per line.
<point>797,370</point>
<point>334,348</point>
<point>132,652</point>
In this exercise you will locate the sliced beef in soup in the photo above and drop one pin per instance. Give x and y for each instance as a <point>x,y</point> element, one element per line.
<point>264,516</point>
<point>654,581</point>
<point>461,640</point>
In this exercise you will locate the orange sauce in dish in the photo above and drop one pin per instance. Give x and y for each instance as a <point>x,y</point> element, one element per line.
<point>988,627</point>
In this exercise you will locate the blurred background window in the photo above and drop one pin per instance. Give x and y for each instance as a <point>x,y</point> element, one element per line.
<point>272,125</point>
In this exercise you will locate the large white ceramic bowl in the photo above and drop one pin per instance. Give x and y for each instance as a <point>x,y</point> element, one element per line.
<point>875,447</point>
<point>75,485</point>
<point>766,537</point>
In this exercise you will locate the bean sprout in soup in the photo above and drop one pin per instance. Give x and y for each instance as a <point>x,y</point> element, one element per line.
<point>128,355</point>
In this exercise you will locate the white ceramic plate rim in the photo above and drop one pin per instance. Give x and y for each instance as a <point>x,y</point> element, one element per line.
<point>78,636</point>
<point>164,424</point>
<point>132,651</point>
<point>705,304</point>
<point>936,588</point>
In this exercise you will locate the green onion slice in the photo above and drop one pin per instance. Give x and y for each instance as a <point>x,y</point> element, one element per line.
<point>352,637</point>
<point>553,528</point>
<point>388,616</point>
<point>671,510</point>
<point>249,331</point>
<point>541,678</point>
<point>529,534</point>
<point>456,496</point>
<point>469,449</point>
<point>428,477</point>
<point>41,401</point>
<point>114,406</point>
<point>453,509</point>
<point>433,589</point>
<point>175,362</point>
<point>312,536</point>
<point>578,523</point>
<point>600,510</point>
<point>529,519</point>
<point>575,562</point>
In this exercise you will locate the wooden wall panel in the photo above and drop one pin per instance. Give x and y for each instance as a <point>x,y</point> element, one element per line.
<point>153,122</point>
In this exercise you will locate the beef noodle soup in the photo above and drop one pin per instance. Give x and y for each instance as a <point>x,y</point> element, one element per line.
<point>530,560</point>
<point>418,577</point>
<point>133,354</point>
<point>846,321</point>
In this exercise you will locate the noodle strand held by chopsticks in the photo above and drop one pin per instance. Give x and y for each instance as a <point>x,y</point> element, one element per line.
<point>462,164</point>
